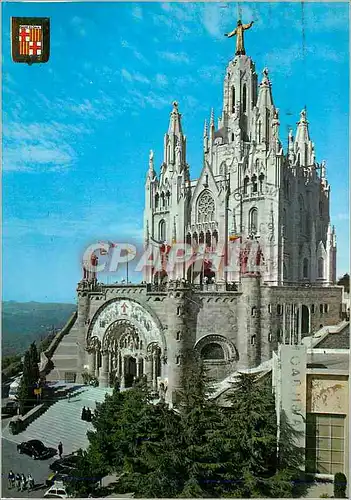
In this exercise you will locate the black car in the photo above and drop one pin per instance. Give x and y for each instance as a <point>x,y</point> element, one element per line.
<point>68,462</point>
<point>34,448</point>
<point>10,409</point>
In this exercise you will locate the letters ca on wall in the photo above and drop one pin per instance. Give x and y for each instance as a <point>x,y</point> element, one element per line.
<point>329,396</point>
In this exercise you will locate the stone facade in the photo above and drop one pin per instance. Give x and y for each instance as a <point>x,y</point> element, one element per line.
<point>267,207</point>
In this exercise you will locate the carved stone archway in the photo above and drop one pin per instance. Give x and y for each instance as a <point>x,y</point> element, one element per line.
<point>119,339</point>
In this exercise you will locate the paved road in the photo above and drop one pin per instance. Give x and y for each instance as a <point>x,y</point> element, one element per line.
<point>11,459</point>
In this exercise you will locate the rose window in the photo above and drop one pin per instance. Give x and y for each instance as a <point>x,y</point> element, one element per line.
<point>206,208</point>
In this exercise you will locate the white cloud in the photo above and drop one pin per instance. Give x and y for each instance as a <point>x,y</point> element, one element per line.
<point>341,216</point>
<point>134,77</point>
<point>176,57</point>
<point>212,73</point>
<point>39,147</point>
<point>137,12</point>
<point>138,55</point>
<point>138,99</point>
<point>161,79</point>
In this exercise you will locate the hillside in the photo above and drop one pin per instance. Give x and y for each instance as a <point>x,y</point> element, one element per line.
<point>25,322</point>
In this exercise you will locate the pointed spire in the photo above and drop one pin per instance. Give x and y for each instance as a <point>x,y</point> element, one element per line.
<point>212,124</point>
<point>291,153</point>
<point>265,79</point>
<point>323,170</point>
<point>175,142</point>
<point>302,134</point>
<point>265,92</point>
<point>175,126</point>
<point>205,128</point>
<point>151,173</point>
<point>205,137</point>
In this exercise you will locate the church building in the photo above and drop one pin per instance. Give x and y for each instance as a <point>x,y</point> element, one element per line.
<point>267,209</point>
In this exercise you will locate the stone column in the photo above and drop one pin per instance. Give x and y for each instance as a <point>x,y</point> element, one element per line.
<point>291,325</point>
<point>103,372</point>
<point>154,366</point>
<point>148,369</point>
<point>97,362</point>
<point>284,326</point>
<point>122,372</point>
<point>138,367</point>
<point>110,361</point>
<point>90,361</point>
<point>299,327</point>
<point>118,364</point>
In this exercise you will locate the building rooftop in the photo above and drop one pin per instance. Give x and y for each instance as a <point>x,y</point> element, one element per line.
<point>340,340</point>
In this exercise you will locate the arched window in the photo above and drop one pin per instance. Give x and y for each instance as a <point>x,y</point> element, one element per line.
<point>212,351</point>
<point>157,197</point>
<point>208,239</point>
<point>168,195</point>
<point>254,184</point>
<point>246,183</point>
<point>253,220</point>
<point>244,98</point>
<point>320,267</point>
<point>233,99</point>
<point>162,230</point>
<point>205,208</point>
<point>162,199</point>
<point>285,272</point>
<point>257,164</point>
<point>305,268</point>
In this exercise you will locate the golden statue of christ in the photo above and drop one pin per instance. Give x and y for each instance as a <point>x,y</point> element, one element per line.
<point>239,32</point>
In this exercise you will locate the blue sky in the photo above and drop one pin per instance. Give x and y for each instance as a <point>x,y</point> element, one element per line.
<point>78,129</point>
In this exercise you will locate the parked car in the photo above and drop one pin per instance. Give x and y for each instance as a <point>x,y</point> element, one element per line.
<point>68,462</point>
<point>34,448</point>
<point>10,409</point>
<point>56,491</point>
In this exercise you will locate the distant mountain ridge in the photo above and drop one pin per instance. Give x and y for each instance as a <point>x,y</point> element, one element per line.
<point>26,322</point>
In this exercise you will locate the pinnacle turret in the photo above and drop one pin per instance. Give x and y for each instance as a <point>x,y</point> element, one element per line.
<point>175,141</point>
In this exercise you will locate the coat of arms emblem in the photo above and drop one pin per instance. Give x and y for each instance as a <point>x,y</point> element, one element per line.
<point>30,39</point>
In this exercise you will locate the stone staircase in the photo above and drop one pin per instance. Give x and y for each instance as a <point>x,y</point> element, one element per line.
<point>62,421</point>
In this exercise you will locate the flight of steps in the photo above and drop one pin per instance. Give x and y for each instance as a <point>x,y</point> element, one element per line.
<point>62,421</point>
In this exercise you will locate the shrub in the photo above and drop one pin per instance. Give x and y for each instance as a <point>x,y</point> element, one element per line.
<point>340,483</point>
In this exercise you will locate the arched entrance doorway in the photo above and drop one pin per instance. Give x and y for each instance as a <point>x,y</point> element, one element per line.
<point>305,320</point>
<point>130,371</point>
<point>124,342</point>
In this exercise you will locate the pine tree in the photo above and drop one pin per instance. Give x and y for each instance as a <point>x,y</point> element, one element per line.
<point>24,392</point>
<point>205,458</point>
<point>252,419</point>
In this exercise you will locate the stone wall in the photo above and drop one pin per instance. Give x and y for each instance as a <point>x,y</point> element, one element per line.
<point>245,323</point>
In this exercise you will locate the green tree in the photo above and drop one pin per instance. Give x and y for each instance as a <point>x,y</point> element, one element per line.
<point>198,449</point>
<point>345,282</point>
<point>206,459</point>
<point>25,392</point>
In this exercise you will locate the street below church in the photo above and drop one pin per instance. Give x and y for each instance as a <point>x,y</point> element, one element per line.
<point>20,463</point>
